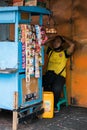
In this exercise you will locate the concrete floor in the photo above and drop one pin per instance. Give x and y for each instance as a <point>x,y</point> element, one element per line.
<point>70,118</point>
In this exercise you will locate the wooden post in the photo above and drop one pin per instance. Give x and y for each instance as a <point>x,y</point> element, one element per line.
<point>15,113</point>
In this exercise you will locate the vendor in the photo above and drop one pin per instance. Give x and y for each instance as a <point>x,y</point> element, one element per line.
<point>55,76</point>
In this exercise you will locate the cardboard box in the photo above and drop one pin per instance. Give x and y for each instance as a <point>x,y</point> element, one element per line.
<point>30,2</point>
<point>18,2</point>
<point>40,3</point>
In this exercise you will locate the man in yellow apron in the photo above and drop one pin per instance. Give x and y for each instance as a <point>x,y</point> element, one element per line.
<point>54,79</point>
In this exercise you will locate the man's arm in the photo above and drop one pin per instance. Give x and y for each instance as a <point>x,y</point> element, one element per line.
<point>71,45</point>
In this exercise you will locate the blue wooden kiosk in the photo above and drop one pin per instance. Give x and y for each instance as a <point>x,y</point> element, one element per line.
<point>11,72</point>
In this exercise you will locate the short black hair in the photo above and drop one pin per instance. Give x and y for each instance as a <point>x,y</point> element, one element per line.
<point>59,37</point>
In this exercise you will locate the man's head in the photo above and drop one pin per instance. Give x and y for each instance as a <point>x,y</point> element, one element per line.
<point>57,42</point>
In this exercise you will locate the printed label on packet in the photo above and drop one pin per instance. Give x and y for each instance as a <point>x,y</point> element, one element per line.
<point>27,71</point>
<point>28,78</point>
<point>37,73</point>
<point>31,69</point>
<point>28,53</point>
<point>31,60</point>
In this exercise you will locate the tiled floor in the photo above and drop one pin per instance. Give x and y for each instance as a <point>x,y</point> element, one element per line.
<point>70,118</point>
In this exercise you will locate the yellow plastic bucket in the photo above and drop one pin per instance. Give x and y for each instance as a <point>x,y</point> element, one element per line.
<point>48,104</point>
